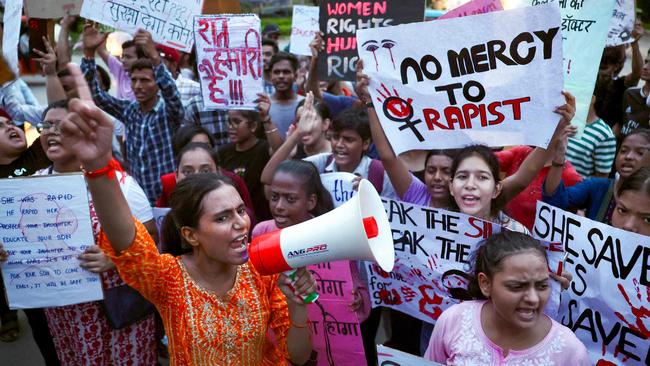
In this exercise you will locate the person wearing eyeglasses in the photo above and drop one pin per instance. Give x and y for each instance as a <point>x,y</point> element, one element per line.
<point>16,159</point>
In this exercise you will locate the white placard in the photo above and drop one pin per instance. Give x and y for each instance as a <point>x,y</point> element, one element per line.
<point>229,60</point>
<point>52,9</point>
<point>392,357</point>
<point>168,21</point>
<point>607,304</point>
<point>339,185</point>
<point>468,81</point>
<point>11,33</point>
<point>432,253</point>
<point>620,29</point>
<point>304,26</point>
<point>45,226</point>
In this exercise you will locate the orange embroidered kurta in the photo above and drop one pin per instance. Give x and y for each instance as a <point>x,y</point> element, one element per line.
<point>202,328</point>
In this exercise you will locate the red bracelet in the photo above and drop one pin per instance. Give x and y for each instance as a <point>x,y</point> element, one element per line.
<point>108,171</point>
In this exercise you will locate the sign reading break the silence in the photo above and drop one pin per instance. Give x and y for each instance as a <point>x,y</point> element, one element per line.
<point>340,20</point>
<point>608,303</point>
<point>491,78</point>
<point>229,60</point>
<point>433,248</point>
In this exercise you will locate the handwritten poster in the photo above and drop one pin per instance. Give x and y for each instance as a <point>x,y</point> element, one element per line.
<point>392,357</point>
<point>470,82</point>
<point>304,26</point>
<point>52,9</point>
<point>168,21</point>
<point>473,8</point>
<point>45,225</point>
<point>584,22</point>
<point>432,251</point>
<point>11,33</point>
<point>622,24</point>
<point>339,185</point>
<point>607,303</point>
<point>229,60</point>
<point>340,20</point>
<point>336,334</point>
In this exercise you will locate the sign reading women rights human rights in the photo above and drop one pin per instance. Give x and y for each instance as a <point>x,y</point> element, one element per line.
<point>492,78</point>
<point>608,303</point>
<point>229,60</point>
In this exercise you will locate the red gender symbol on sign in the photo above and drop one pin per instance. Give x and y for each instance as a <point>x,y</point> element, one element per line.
<point>399,108</point>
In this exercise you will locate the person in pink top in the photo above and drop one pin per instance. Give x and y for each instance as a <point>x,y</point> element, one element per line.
<point>505,324</point>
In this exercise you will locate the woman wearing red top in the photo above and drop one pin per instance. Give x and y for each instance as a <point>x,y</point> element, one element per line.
<point>523,206</point>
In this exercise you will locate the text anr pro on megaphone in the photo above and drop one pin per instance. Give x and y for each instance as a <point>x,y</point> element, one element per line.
<point>357,230</point>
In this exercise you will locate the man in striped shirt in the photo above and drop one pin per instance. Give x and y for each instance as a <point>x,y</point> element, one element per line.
<point>592,155</point>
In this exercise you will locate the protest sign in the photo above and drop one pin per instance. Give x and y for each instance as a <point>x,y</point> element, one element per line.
<point>336,334</point>
<point>584,22</point>
<point>11,33</point>
<point>606,305</point>
<point>392,357</point>
<point>622,24</point>
<point>169,21</point>
<point>473,8</point>
<point>52,9</point>
<point>339,20</point>
<point>432,251</point>
<point>44,233</point>
<point>339,185</point>
<point>470,82</point>
<point>229,60</point>
<point>304,26</point>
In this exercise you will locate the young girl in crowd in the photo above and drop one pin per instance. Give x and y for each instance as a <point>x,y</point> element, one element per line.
<point>246,155</point>
<point>596,195</point>
<point>191,133</point>
<point>505,324</point>
<point>350,141</point>
<point>215,307</point>
<point>197,157</point>
<point>81,333</point>
<point>315,140</point>
<point>296,194</point>
<point>632,211</point>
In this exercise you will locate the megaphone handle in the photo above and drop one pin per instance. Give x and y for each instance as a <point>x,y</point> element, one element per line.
<point>306,299</point>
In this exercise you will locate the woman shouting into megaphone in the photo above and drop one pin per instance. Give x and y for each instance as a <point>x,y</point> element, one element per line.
<point>216,308</point>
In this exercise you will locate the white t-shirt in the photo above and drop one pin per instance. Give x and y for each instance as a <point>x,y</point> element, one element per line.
<point>135,197</point>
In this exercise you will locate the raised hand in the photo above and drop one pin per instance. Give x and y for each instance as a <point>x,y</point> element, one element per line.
<point>361,88</point>
<point>317,44</point>
<point>67,21</point>
<point>309,116</point>
<point>47,59</point>
<point>91,38</point>
<point>143,39</point>
<point>263,105</point>
<point>86,130</point>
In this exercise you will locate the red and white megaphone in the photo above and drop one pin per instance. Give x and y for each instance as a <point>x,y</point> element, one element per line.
<point>357,230</point>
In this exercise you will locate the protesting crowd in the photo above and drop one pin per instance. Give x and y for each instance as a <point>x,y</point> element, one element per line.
<point>189,143</point>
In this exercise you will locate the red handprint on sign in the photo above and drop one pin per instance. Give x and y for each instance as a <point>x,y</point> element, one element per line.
<point>640,312</point>
<point>399,110</point>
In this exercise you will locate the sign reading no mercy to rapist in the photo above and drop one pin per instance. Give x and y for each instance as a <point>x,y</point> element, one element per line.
<point>492,78</point>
